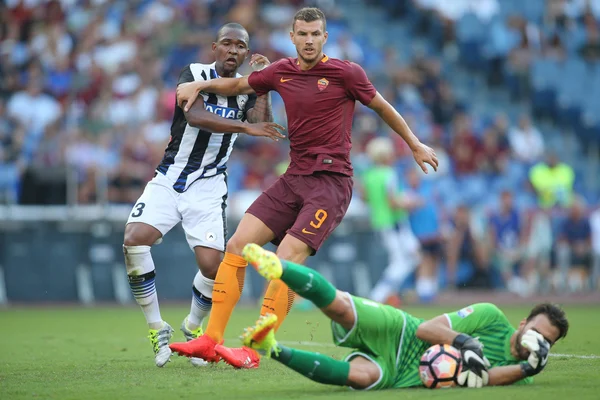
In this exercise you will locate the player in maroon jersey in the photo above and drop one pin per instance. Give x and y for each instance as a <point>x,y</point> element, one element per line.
<point>301,209</point>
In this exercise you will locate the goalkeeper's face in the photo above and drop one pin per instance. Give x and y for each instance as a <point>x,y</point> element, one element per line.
<point>541,324</point>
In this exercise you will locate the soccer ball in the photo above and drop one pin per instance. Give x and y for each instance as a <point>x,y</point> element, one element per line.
<point>440,366</point>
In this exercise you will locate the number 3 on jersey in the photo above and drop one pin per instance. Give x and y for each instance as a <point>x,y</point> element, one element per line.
<point>320,217</point>
<point>139,209</point>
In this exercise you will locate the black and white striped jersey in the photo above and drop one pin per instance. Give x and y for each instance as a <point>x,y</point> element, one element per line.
<point>193,153</point>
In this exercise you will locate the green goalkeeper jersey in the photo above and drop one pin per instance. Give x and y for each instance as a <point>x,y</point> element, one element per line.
<point>482,320</point>
<point>388,337</point>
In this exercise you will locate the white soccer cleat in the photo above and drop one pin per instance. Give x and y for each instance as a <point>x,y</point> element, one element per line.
<point>191,335</point>
<point>160,343</point>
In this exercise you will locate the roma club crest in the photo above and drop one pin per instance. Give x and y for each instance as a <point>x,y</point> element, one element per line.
<point>322,84</point>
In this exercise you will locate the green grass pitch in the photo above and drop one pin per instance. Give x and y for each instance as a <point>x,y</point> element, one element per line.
<point>102,353</point>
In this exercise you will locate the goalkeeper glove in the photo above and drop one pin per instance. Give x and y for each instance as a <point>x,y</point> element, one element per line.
<point>538,352</point>
<point>474,372</point>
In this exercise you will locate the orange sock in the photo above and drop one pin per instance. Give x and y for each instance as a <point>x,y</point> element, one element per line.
<point>229,284</point>
<point>278,300</point>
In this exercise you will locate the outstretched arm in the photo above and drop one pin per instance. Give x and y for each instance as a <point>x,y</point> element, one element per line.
<point>507,375</point>
<point>436,331</point>
<point>188,92</point>
<point>439,330</point>
<point>199,117</point>
<point>423,154</point>
<point>444,328</point>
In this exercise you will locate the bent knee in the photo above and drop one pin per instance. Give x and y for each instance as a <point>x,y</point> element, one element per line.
<point>235,245</point>
<point>294,250</point>
<point>131,237</point>
<point>363,373</point>
<point>360,380</point>
<point>208,261</point>
<point>341,310</point>
<point>209,270</point>
<point>140,234</point>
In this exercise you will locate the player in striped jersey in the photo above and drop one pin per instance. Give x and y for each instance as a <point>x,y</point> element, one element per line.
<point>190,186</point>
<point>388,343</point>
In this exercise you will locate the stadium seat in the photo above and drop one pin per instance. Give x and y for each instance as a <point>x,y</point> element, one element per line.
<point>544,75</point>
<point>471,35</point>
<point>590,124</point>
<point>568,101</point>
<point>572,39</point>
<point>532,10</point>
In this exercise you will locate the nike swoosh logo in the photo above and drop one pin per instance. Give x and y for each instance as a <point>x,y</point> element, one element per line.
<point>469,355</point>
<point>307,232</point>
<point>285,80</point>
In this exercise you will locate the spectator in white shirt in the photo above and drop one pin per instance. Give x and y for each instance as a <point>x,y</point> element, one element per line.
<point>33,109</point>
<point>526,141</point>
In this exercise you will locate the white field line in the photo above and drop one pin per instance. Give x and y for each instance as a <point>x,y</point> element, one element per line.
<point>588,357</point>
<point>317,344</point>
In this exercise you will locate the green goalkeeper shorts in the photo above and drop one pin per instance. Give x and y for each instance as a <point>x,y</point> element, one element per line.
<point>376,336</point>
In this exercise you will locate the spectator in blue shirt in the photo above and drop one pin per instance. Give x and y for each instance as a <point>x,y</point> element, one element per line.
<point>425,224</point>
<point>575,243</point>
<point>465,255</point>
<point>505,237</point>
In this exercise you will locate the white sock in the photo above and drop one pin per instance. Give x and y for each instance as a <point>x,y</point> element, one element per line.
<point>201,300</point>
<point>140,271</point>
<point>393,277</point>
<point>426,288</point>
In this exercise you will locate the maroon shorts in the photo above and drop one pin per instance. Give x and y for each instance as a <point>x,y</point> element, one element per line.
<point>308,207</point>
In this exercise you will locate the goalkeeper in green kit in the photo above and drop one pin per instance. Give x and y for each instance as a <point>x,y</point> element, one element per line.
<point>388,343</point>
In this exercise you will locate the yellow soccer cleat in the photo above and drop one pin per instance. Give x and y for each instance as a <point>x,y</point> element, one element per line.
<point>159,338</point>
<point>261,336</point>
<point>265,262</point>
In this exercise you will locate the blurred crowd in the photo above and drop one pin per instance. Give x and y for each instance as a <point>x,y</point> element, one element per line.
<point>87,93</point>
<point>507,211</point>
<point>87,88</point>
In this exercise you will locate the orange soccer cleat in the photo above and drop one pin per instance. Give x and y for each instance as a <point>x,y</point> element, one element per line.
<point>241,357</point>
<point>201,347</point>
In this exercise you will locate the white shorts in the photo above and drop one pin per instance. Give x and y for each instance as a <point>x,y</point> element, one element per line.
<point>200,209</point>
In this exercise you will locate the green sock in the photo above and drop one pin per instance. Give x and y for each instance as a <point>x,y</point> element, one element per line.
<point>315,366</point>
<point>308,283</point>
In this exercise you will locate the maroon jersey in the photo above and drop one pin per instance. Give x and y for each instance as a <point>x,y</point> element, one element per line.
<point>320,105</point>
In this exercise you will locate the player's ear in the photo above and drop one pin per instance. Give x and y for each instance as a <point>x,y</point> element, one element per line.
<point>522,323</point>
<point>325,36</point>
<point>214,46</point>
<point>292,36</point>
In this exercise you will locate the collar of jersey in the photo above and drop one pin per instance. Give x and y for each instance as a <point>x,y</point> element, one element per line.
<point>323,60</point>
<point>214,66</point>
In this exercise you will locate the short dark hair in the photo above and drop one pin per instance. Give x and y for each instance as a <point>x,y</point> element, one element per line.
<point>309,14</point>
<point>555,314</point>
<point>231,25</point>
